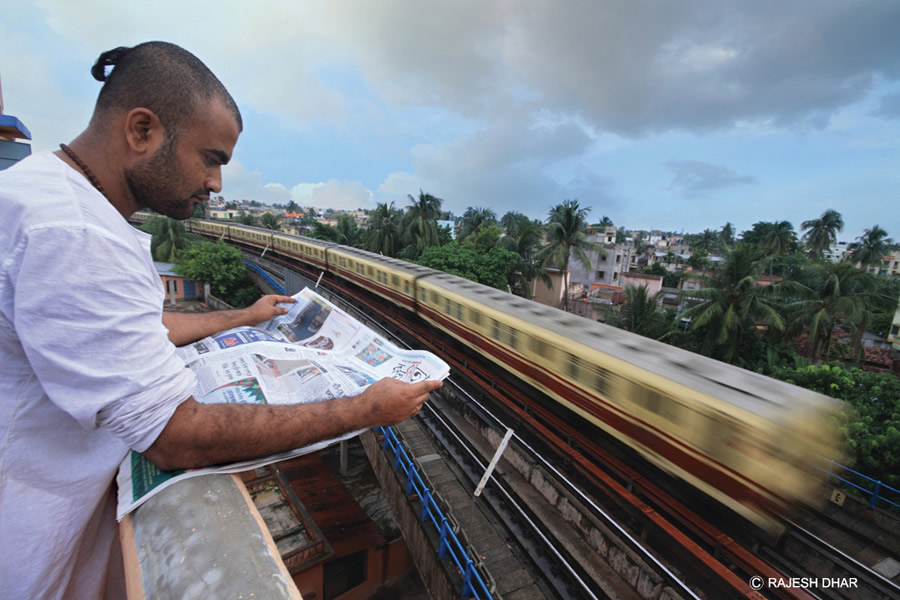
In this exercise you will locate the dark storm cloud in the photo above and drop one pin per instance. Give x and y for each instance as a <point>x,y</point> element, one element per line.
<point>889,107</point>
<point>693,178</point>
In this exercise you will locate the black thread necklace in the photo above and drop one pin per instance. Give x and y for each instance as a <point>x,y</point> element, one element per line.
<point>87,170</point>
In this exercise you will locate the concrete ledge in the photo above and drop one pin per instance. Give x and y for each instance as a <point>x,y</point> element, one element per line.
<point>202,538</point>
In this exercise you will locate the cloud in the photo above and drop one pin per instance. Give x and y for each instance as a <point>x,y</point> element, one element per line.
<point>693,178</point>
<point>342,195</point>
<point>889,107</point>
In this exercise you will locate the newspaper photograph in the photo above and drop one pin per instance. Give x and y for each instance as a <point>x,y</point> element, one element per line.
<point>314,353</point>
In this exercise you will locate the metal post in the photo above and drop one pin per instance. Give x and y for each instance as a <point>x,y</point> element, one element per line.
<point>875,494</point>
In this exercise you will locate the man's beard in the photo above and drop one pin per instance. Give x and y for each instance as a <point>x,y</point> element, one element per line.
<point>155,184</point>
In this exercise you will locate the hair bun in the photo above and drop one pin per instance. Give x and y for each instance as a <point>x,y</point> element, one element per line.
<point>107,59</point>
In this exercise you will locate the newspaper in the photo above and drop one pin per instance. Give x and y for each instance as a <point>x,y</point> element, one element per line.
<point>316,352</point>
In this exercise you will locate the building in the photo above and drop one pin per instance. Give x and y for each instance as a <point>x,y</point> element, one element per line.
<point>890,266</point>
<point>12,129</point>
<point>177,286</point>
<point>836,252</point>
<point>894,334</point>
<point>606,269</point>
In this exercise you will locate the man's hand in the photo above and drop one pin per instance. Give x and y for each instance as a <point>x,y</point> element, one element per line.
<point>389,401</point>
<point>265,308</point>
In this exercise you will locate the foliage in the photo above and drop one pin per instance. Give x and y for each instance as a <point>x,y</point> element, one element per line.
<point>420,224</point>
<point>641,314</point>
<point>726,235</point>
<point>871,430</point>
<point>489,268</point>
<point>523,237</point>
<point>246,218</point>
<point>270,221</point>
<point>566,236</point>
<point>699,260</point>
<point>348,232</point>
<point>656,268</point>
<point>732,306</point>
<point>323,231</point>
<point>779,240</point>
<point>383,234</point>
<point>474,219</point>
<point>170,238</point>
<point>821,234</point>
<point>870,247</point>
<point>221,266</point>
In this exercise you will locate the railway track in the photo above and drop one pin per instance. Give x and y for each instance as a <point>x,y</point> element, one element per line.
<point>715,562</point>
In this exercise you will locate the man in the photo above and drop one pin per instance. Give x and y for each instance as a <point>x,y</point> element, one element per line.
<point>87,363</point>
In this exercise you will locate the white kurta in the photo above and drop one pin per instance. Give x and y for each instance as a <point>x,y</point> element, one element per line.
<point>86,372</point>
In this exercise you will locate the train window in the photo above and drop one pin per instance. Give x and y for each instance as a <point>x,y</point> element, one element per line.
<point>646,397</point>
<point>459,312</point>
<point>671,410</point>
<point>475,316</point>
<point>574,365</point>
<point>434,298</point>
<point>395,281</point>
<point>602,380</point>
<point>495,329</point>
<point>541,348</point>
<point>406,288</point>
<point>448,306</point>
<point>371,271</point>
<point>513,339</point>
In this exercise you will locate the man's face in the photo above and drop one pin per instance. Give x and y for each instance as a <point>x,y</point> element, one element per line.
<point>187,166</point>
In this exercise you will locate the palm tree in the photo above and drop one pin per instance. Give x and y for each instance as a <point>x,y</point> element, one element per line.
<point>474,218</point>
<point>420,224</point>
<point>511,222</point>
<point>384,229</point>
<point>348,233</point>
<point>869,248</point>
<point>170,238</point>
<point>566,237</point>
<point>708,240</point>
<point>641,313</point>
<point>779,240</point>
<point>526,243</point>
<point>270,221</point>
<point>830,294</point>
<point>733,304</point>
<point>726,235</point>
<point>821,234</point>
<point>605,222</point>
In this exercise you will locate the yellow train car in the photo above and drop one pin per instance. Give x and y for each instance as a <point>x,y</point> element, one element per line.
<point>305,249</point>
<point>746,440</point>
<point>251,236</point>
<point>213,230</point>
<point>390,278</point>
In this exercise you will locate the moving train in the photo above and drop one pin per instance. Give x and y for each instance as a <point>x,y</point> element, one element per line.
<point>745,439</point>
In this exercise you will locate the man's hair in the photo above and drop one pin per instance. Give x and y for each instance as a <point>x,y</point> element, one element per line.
<point>161,77</point>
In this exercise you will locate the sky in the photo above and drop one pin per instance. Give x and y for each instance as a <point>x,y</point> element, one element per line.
<point>678,116</point>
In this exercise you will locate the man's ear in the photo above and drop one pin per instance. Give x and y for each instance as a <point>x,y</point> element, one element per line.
<point>144,132</point>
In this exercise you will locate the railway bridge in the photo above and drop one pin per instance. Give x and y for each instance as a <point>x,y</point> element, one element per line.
<point>541,527</point>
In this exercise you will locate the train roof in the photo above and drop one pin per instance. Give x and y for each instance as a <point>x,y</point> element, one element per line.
<point>409,268</point>
<point>750,391</point>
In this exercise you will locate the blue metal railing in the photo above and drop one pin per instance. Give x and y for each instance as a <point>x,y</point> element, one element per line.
<point>473,583</point>
<point>268,278</point>
<point>877,494</point>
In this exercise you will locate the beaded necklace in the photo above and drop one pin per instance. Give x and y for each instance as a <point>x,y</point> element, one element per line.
<point>87,171</point>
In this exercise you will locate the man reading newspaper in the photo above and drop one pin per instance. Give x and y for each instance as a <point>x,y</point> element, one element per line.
<point>88,368</point>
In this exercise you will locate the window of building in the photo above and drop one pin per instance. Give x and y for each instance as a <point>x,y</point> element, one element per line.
<point>343,574</point>
<point>895,329</point>
<point>618,258</point>
<point>601,274</point>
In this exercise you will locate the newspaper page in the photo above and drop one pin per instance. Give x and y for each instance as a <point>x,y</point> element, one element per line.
<point>314,353</point>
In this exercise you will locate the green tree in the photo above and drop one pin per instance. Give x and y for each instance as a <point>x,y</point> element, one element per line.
<point>270,221</point>
<point>726,235</point>
<point>324,231</point>
<point>566,237</point>
<point>420,224</point>
<point>699,260</point>
<point>489,268</point>
<point>384,230</point>
<point>170,238</point>
<point>474,219</point>
<point>871,430</point>
<point>828,295</point>
<point>708,240</point>
<point>523,236</point>
<point>246,218</point>
<point>220,265</point>
<point>732,305</point>
<point>641,314</point>
<point>869,248</point>
<point>778,240</point>
<point>821,234</point>
<point>348,232</point>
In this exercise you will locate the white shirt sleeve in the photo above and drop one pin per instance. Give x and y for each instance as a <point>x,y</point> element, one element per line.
<point>88,312</point>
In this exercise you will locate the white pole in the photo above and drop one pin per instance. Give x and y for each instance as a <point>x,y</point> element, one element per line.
<point>494,461</point>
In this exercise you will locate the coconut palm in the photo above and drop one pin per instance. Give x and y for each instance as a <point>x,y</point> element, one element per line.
<point>348,233</point>
<point>733,304</point>
<point>778,240</point>
<point>474,218</point>
<point>420,224</point>
<point>526,243</point>
<point>641,313</point>
<point>566,237</point>
<point>869,248</point>
<point>828,295</point>
<point>384,229</point>
<point>726,235</point>
<point>821,234</point>
<point>170,238</point>
<point>270,221</point>
<point>708,240</point>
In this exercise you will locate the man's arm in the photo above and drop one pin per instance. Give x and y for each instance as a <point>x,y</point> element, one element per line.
<point>186,328</point>
<point>200,435</point>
